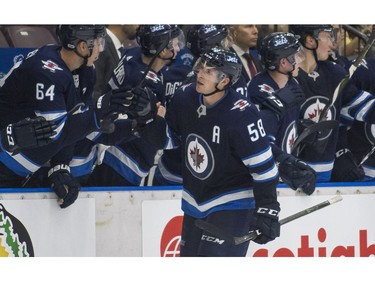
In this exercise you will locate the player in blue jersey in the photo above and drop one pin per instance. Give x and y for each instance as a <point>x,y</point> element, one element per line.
<point>126,164</point>
<point>281,55</point>
<point>229,174</point>
<point>361,135</point>
<point>199,39</point>
<point>56,83</point>
<point>319,78</point>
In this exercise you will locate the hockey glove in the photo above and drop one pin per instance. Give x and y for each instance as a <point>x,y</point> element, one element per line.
<point>63,184</point>
<point>266,222</point>
<point>142,105</point>
<point>345,168</point>
<point>296,173</point>
<point>28,133</point>
<point>290,96</point>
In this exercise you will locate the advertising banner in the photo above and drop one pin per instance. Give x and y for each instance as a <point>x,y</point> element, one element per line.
<point>40,228</point>
<point>343,229</point>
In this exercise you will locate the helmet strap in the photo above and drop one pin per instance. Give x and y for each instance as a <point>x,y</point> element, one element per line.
<point>85,58</point>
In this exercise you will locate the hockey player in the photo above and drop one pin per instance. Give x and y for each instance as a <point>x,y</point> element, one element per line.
<point>128,163</point>
<point>199,39</point>
<point>229,175</point>
<point>360,136</point>
<point>281,55</point>
<point>56,82</point>
<point>319,78</point>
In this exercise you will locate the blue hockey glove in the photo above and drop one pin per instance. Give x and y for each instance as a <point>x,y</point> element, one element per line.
<point>28,133</point>
<point>296,173</point>
<point>63,184</point>
<point>266,222</point>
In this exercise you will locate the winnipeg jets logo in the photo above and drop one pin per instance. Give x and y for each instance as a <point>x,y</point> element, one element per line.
<point>153,77</point>
<point>240,104</point>
<point>314,110</point>
<point>266,88</point>
<point>199,157</point>
<point>129,58</point>
<point>289,137</point>
<point>50,65</point>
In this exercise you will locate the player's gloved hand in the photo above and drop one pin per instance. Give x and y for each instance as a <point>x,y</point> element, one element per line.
<point>142,105</point>
<point>296,173</point>
<point>345,168</point>
<point>266,222</point>
<point>290,96</point>
<point>28,133</point>
<point>63,184</point>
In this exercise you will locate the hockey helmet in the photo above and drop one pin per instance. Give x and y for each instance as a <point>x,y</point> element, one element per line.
<point>201,38</point>
<point>310,29</point>
<point>70,35</point>
<point>154,38</point>
<point>278,45</point>
<point>222,60</point>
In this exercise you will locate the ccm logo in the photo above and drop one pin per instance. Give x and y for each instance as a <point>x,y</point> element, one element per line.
<point>212,239</point>
<point>9,135</point>
<point>268,211</point>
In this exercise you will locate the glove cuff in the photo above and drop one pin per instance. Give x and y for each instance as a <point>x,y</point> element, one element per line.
<point>62,168</point>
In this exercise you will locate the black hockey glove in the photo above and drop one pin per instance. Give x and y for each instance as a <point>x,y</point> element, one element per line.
<point>28,133</point>
<point>345,168</point>
<point>266,222</point>
<point>142,105</point>
<point>290,96</point>
<point>296,173</point>
<point>63,184</point>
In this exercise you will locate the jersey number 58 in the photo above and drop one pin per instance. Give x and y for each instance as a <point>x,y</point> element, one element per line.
<point>255,130</point>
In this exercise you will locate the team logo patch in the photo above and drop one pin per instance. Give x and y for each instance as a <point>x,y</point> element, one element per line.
<point>312,109</point>
<point>50,65</point>
<point>289,137</point>
<point>266,88</point>
<point>199,157</point>
<point>153,77</point>
<point>241,105</point>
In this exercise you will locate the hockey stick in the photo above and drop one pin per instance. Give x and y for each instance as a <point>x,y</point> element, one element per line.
<point>367,156</point>
<point>355,31</point>
<point>236,240</point>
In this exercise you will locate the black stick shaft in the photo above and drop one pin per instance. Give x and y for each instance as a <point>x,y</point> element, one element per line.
<point>221,233</point>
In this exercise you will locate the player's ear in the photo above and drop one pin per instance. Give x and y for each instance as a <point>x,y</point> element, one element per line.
<point>82,47</point>
<point>225,81</point>
<point>310,41</point>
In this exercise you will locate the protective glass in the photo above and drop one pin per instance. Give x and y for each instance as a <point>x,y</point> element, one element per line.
<point>298,57</point>
<point>101,43</point>
<point>208,72</point>
<point>327,36</point>
<point>177,42</point>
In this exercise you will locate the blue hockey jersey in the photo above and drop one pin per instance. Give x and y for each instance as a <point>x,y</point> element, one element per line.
<point>226,153</point>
